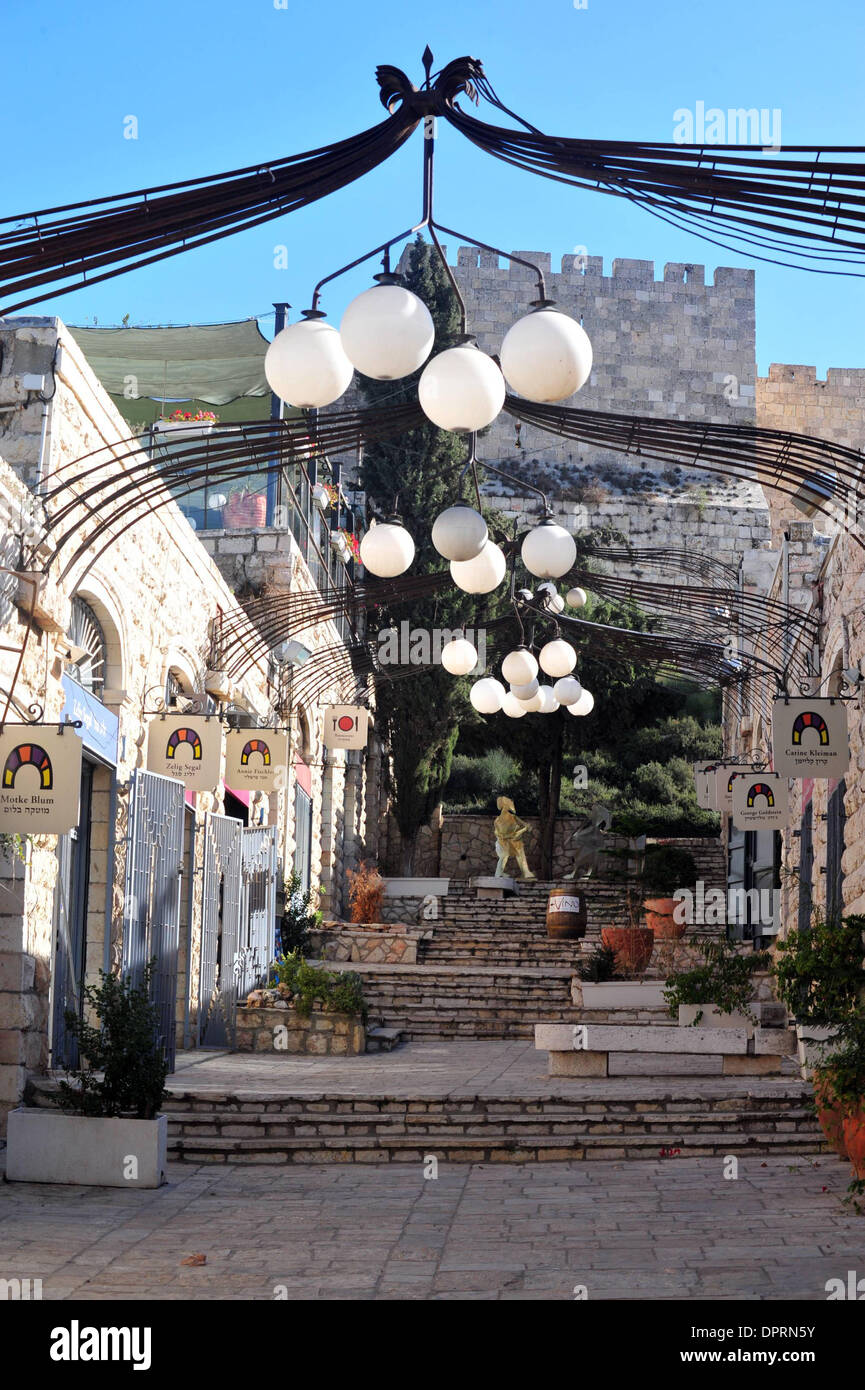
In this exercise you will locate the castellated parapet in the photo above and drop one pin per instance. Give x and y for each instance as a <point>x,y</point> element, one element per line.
<point>676,347</point>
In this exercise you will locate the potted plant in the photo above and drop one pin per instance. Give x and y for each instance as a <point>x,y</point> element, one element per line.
<point>365,893</point>
<point>245,509</point>
<point>633,944</point>
<point>199,422</point>
<point>325,495</point>
<point>844,1080</point>
<point>819,975</point>
<point>667,868</point>
<point>718,993</point>
<point>107,1131</point>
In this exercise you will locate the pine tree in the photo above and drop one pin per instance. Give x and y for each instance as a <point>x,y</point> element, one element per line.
<point>420,714</point>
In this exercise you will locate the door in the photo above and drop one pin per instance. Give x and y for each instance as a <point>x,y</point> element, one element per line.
<point>257,945</point>
<point>70,928</point>
<point>151,906</point>
<point>222,892</point>
<point>303,836</point>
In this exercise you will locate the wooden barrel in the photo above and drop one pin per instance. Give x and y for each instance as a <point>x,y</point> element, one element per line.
<point>567,914</point>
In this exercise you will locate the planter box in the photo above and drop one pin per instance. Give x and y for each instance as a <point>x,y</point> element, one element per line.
<point>622,994</point>
<point>416,887</point>
<point>322,1034</point>
<point>190,426</point>
<point>47,1145</point>
<point>710,1017</point>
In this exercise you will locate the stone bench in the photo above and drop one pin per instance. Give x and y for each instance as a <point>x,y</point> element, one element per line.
<point>598,1049</point>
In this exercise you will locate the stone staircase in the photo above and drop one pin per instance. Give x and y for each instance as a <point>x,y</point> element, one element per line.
<point>474,931</point>
<point>455,1001</point>
<point>657,1121</point>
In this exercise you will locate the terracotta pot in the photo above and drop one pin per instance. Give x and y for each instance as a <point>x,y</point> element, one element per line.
<point>660,920</point>
<point>633,946</point>
<point>245,509</point>
<point>854,1138</point>
<point>830,1115</point>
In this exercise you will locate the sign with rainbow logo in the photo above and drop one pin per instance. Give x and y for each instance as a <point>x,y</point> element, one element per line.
<point>40,779</point>
<point>345,726</point>
<point>761,801</point>
<point>256,760</point>
<point>809,737</point>
<point>188,748</point>
<point>726,775</point>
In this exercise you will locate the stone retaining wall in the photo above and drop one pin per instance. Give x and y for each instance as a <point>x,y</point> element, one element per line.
<point>323,1034</point>
<point>375,942</point>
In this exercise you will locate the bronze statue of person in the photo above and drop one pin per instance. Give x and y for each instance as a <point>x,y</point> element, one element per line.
<point>509,832</point>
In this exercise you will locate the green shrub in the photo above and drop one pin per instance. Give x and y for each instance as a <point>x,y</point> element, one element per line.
<point>819,972</point>
<point>300,914</point>
<point>124,1048</point>
<point>667,867</point>
<point>335,989</point>
<point>725,980</point>
<point>477,781</point>
<point>601,965</point>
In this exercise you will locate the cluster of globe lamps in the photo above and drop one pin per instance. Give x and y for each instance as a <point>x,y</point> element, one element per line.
<point>387,333</point>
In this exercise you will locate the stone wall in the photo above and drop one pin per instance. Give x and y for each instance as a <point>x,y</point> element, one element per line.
<point>161,600</point>
<point>671,347</point>
<point>373,943</point>
<point>465,848</point>
<point>323,1034</point>
<point>821,570</point>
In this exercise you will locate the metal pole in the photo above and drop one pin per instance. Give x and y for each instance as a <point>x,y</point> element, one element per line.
<point>274,489</point>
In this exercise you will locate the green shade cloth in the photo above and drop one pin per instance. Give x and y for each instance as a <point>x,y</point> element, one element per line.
<point>213,363</point>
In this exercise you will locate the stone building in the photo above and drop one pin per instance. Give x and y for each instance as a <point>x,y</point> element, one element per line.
<point>126,629</point>
<point>818,567</point>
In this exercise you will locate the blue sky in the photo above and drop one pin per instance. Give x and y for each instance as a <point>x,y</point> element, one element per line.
<point>219,85</point>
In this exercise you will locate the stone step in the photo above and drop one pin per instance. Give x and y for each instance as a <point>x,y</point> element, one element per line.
<point>383,1039</point>
<point>490,1147</point>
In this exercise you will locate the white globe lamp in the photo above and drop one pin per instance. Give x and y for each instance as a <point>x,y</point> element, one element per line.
<point>548,551</point>
<point>546,356</point>
<point>459,532</point>
<point>533,704</point>
<point>482,574</point>
<point>557,658</point>
<point>387,549</point>
<point>387,332</point>
<point>567,690</point>
<point>487,695</point>
<point>584,705</point>
<point>459,656</point>
<point>549,703</point>
<point>527,691</point>
<point>512,707</point>
<point>519,667</point>
<point>577,598</point>
<point>461,389</point>
<point>306,364</point>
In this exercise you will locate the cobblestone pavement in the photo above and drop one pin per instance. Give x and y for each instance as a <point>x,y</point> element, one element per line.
<point>436,1068</point>
<point>671,1229</point>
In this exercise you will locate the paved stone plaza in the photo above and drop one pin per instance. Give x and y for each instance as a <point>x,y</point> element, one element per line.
<point>671,1228</point>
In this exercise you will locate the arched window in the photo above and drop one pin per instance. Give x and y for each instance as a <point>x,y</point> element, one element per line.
<point>87,634</point>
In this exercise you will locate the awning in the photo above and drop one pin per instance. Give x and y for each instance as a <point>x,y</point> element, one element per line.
<point>215,363</point>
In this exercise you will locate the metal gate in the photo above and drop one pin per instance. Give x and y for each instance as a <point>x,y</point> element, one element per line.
<point>70,920</point>
<point>151,907</point>
<point>257,945</point>
<point>303,836</point>
<point>220,930</point>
